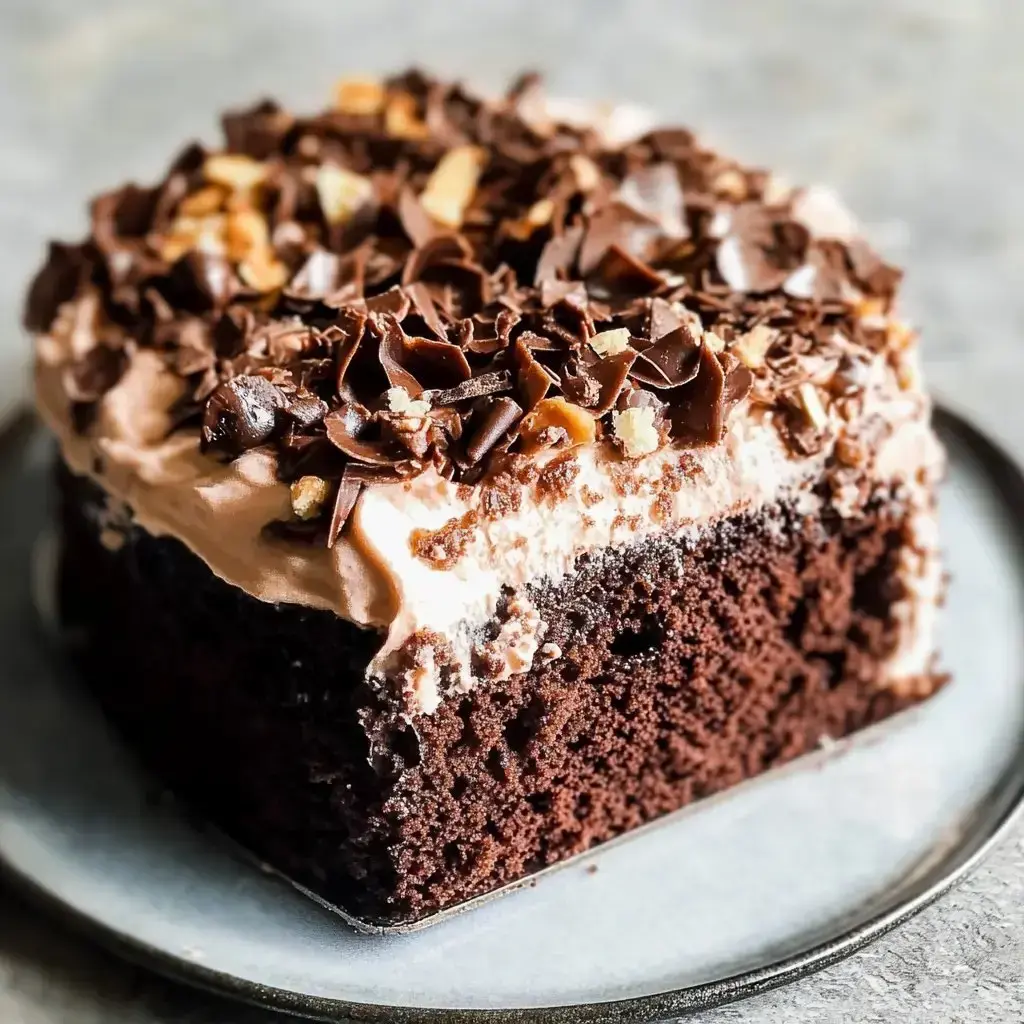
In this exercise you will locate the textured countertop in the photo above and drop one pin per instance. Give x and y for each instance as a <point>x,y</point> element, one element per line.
<point>911,107</point>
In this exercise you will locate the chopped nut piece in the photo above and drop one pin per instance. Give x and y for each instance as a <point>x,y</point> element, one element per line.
<point>308,495</point>
<point>359,96</point>
<point>812,405</point>
<point>558,413</point>
<point>635,431</point>
<point>341,192</point>
<point>898,335</point>
<point>611,343</point>
<point>752,347</point>
<point>234,171</point>
<point>401,118</point>
<point>731,184</point>
<point>908,374</point>
<point>451,185</point>
<point>871,311</point>
<point>246,232</point>
<point>776,190</point>
<point>713,342</point>
<point>262,271</point>
<point>588,177</point>
<point>536,217</point>
<point>550,652</point>
<point>205,234</point>
<point>399,401</point>
<point>207,200</point>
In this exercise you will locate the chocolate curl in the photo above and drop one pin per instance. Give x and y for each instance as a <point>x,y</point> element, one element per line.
<point>438,250</point>
<point>346,334</point>
<point>611,374</point>
<point>475,387</point>
<point>423,304</point>
<point>498,418</point>
<point>533,380</point>
<point>391,352</point>
<point>699,416</point>
<point>66,269</point>
<point>345,498</point>
<point>670,362</point>
<point>346,428</point>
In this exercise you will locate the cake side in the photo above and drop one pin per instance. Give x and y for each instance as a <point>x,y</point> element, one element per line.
<point>672,670</point>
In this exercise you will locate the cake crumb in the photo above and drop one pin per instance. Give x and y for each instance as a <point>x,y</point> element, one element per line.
<point>445,547</point>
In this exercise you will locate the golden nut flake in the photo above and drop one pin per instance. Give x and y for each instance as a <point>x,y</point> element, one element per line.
<point>341,192</point>
<point>263,271</point>
<point>557,413</point>
<point>712,342</point>
<point>206,201</point>
<point>611,343</point>
<point>308,495</point>
<point>452,185</point>
<point>586,172</point>
<point>188,234</point>
<point>634,429</point>
<point>536,217</point>
<point>246,232</point>
<point>752,347</point>
<point>810,401</point>
<point>234,171</point>
<point>361,97</point>
<point>401,118</point>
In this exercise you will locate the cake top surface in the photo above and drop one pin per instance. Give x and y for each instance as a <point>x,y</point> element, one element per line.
<point>419,278</point>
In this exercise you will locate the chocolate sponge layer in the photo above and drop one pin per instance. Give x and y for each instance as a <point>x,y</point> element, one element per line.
<point>682,668</point>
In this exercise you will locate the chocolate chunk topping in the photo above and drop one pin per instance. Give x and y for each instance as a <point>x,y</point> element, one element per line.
<point>241,414</point>
<point>414,280</point>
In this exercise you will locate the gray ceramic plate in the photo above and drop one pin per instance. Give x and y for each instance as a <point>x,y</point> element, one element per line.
<point>769,882</point>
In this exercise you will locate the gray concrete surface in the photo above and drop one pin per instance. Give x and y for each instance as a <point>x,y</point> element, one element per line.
<point>911,107</point>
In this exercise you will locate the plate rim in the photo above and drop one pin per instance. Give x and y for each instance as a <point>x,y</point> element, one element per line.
<point>1004,805</point>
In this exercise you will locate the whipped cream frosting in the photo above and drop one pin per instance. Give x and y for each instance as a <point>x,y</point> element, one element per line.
<point>374,577</point>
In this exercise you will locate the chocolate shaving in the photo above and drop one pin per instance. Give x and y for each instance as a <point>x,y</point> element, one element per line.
<point>700,418</point>
<point>346,429</point>
<point>499,416</point>
<point>673,360</point>
<point>611,374</point>
<point>345,498</point>
<point>533,380</point>
<point>476,387</point>
<point>65,270</point>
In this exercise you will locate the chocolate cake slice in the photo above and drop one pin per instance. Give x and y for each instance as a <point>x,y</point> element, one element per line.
<point>449,485</point>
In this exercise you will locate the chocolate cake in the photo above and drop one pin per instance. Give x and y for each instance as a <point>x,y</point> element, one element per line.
<point>448,485</point>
